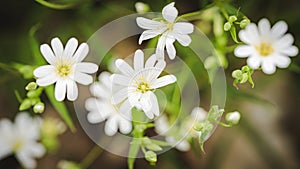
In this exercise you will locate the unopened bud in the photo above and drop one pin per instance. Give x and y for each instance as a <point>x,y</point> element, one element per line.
<point>233,117</point>
<point>244,23</point>
<point>151,156</point>
<point>141,7</point>
<point>31,86</point>
<point>227,26</point>
<point>232,19</point>
<point>39,107</point>
<point>238,74</point>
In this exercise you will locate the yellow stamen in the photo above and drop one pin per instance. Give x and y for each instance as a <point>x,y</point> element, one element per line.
<point>63,70</point>
<point>265,49</point>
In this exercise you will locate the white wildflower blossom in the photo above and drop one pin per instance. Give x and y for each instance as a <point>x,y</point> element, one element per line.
<point>135,86</point>
<point>266,47</point>
<point>168,28</point>
<point>101,108</point>
<point>66,68</point>
<point>20,138</point>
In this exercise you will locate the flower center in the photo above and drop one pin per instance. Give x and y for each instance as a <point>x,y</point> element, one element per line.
<point>170,26</point>
<point>17,145</point>
<point>142,86</point>
<point>63,70</point>
<point>264,49</point>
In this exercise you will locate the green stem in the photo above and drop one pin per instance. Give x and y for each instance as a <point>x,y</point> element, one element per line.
<point>295,68</point>
<point>91,157</point>
<point>194,15</point>
<point>8,68</point>
<point>56,6</point>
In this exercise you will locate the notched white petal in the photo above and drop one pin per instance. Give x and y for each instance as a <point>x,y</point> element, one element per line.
<point>169,12</point>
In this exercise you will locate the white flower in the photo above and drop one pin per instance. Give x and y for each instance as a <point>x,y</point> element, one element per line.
<point>170,30</point>
<point>265,46</point>
<point>135,86</point>
<point>65,69</point>
<point>101,108</point>
<point>178,136</point>
<point>21,139</point>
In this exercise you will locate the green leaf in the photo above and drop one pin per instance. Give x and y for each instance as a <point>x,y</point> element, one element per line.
<point>233,34</point>
<point>60,107</point>
<point>133,150</point>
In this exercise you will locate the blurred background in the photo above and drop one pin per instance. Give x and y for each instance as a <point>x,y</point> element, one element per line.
<point>268,135</point>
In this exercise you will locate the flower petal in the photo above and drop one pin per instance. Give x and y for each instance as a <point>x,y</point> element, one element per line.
<point>268,67</point>
<point>264,27</point>
<point>150,61</point>
<point>279,29</point>
<point>60,90</point>
<point>250,34</point>
<point>124,67</point>
<point>72,90</point>
<point>86,67</point>
<point>119,96</point>
<point>160,48</point>
<point>81,52</point>
<point>48,54</point>
<point>120,79</point>
<point>47,80</point>
<point>184,40</point>
<point>183,145</point>
<point>169,12</point>
<point>138,60</point>
<point>290,51</point>
<point>26,160</point>
<point>111,126</point>
<point>170,48</point>
<point>254,62</point>
<point>154,104</point>
<point>146,104</point>
<point>243,51</point>
<point>70,48</point>
<point>163,81</point>
<point>83,78</point>
<point>37,150</point>
<point>148,34</point>
<point>57,47</point>
<point>125,108</point>
<point>43,71</point>
<point>125,126</point>
<point>149,24</point>
<point>183,28</point>
<point>282,61</point>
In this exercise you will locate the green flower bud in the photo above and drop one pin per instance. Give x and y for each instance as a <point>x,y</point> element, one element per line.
<point>245,68</point>
<point>151,156</point>
<point>233,117</point>
<point>244,78</point>
<point>227,26</point>
<point>232,18</point>
<point>31,86</point>
<point>26,71</point>
<point>26,104</point>
<point>244,23</point>
<point>39,107</point>
<point>238,74</point>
